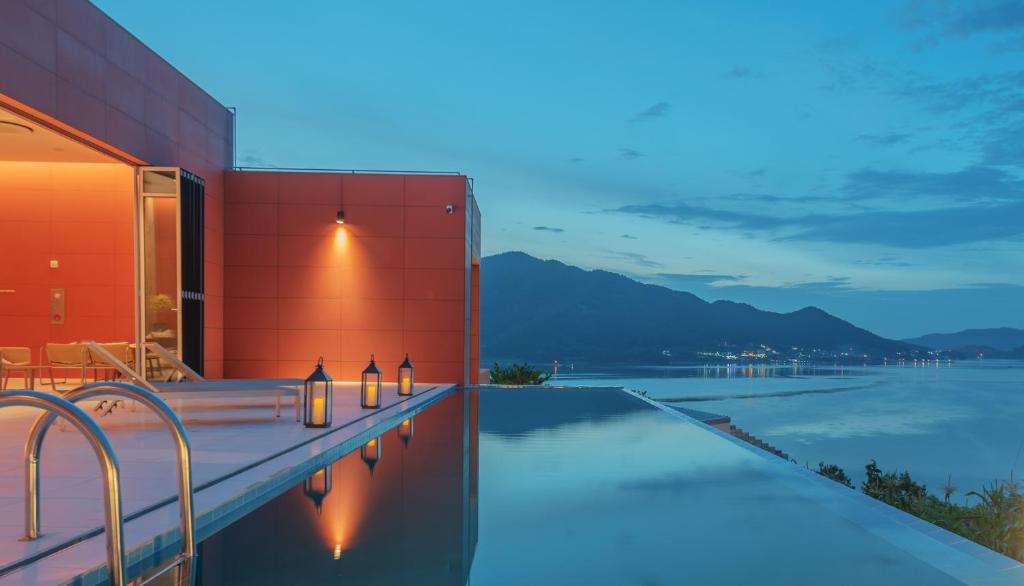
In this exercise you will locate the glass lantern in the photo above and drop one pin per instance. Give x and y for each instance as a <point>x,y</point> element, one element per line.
<point>318,486</point>
<point>405,430</point>
<point>317,397</point>
<point>370,390</point>
<point>370,453</point>
<point>405,377</point>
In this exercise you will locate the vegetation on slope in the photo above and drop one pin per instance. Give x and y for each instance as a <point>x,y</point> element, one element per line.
<point>995,519</point>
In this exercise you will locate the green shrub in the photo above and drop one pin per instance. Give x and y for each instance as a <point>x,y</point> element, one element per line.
<point>517,374</point>
<point>995,519</point>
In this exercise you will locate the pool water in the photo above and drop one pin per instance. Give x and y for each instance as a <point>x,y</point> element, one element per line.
<point>545,486</point>
<point>959,422</point>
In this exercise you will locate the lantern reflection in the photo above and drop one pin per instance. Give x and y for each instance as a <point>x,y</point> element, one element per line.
<point>317,487</point>
<point>405,431</point>
<point>370,453</point>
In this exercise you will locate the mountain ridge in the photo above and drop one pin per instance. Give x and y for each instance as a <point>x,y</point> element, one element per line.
<point>541,310</point>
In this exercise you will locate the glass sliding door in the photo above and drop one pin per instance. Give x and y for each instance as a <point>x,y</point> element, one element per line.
<point>170,267</point>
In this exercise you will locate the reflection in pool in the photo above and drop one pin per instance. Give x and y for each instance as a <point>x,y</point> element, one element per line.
<point>576,487</point>
<point>399,510</point>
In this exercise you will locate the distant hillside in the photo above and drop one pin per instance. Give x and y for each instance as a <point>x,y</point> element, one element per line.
<point>544,310</point>
<point>1002,339</point>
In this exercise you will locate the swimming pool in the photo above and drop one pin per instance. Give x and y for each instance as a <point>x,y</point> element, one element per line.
<point>541,486</point>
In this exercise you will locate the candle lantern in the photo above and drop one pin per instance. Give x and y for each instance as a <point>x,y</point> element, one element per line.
<point>405,380</point>
<point>405,430</point>
<point>317,397</point>
<point>370,393</point>
<point>370,453</point>
<point>317,486</point>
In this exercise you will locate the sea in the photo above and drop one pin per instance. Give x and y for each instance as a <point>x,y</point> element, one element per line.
<point>959,422</point>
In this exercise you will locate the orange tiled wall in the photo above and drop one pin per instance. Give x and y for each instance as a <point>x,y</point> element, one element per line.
<point>81,216</point>
<point>391,280</point>
<point>70,64</point>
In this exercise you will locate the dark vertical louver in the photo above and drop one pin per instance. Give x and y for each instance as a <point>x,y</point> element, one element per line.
<point>192,246</point>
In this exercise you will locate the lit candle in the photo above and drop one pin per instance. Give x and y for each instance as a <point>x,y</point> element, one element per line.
<point>318,411</point>
<point>406,384</point>
<point>371,394</point>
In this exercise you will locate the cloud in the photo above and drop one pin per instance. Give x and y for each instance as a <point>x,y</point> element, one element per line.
<point>885,261</point>
<point>630,154</point>
<point>629,237</point>
<point>738,72</point>
<point>932,228</point>
<point>971,184</point>
<point>549,229</point>
<point>255,159</point>
<point>633,257</point>
<point>889,139</point>
<point>965,18</point>
<point>652,112</point>
<point>1004,146</point>
<point>828,283</point>
<point>674,280</point>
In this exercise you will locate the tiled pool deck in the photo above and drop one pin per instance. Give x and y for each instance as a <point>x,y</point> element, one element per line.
<point>242,456</point>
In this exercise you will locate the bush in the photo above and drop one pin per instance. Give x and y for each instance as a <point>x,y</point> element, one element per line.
<point>517,374</point>
<point>833,472</point>
<point>995,520</point>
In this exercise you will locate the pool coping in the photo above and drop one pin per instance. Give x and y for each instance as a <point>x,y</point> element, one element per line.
<point>251,487</point>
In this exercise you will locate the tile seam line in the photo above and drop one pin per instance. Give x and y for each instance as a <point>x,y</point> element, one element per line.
<point>57,548</point>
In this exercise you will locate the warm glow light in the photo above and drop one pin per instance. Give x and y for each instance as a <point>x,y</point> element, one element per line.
<point>340,236</point>
<point>337,551</point>
<point>318,411</point>
<point>371,393</point>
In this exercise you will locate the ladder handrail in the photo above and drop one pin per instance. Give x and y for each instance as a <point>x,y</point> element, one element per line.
<point>34,445</point>
<point>56,406</point>
<point>176,362</point>
<point>96,349</point>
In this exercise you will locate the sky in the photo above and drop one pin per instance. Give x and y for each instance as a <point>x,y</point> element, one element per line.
<point>866,158</point>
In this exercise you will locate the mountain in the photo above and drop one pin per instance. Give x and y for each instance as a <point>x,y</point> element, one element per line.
<point>542,310</point>
<point>999,339</point>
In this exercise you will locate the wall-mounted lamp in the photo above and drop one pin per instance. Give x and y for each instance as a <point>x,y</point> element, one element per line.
<point>450,208</point>
<point>341,217</point>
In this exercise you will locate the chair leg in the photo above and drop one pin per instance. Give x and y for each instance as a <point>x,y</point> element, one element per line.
<point>53,383</point>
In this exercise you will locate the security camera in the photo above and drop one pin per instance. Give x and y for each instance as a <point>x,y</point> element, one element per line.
<point>450,208</point>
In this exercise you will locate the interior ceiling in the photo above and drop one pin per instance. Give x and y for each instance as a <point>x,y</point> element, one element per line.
<point>24,140</point>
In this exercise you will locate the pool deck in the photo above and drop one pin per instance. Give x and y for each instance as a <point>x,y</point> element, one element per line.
<point>242,456</point>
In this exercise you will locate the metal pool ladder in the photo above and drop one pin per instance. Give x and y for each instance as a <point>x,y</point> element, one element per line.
<point>114,523</point>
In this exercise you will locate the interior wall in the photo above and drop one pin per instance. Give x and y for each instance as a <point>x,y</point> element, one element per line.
<point>71,65</point>
<point>80,215</point>
<point>391,280</point>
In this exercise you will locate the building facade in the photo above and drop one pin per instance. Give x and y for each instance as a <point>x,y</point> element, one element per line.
<point>123,219</point>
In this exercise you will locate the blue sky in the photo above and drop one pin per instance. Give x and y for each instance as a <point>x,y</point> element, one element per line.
<point>867,158</point>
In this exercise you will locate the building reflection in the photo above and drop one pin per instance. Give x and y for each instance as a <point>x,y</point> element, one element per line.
<point>413,521</point>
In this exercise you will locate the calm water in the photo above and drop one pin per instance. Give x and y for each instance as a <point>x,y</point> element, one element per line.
<point>964,420</point>
<point>538,486</point>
